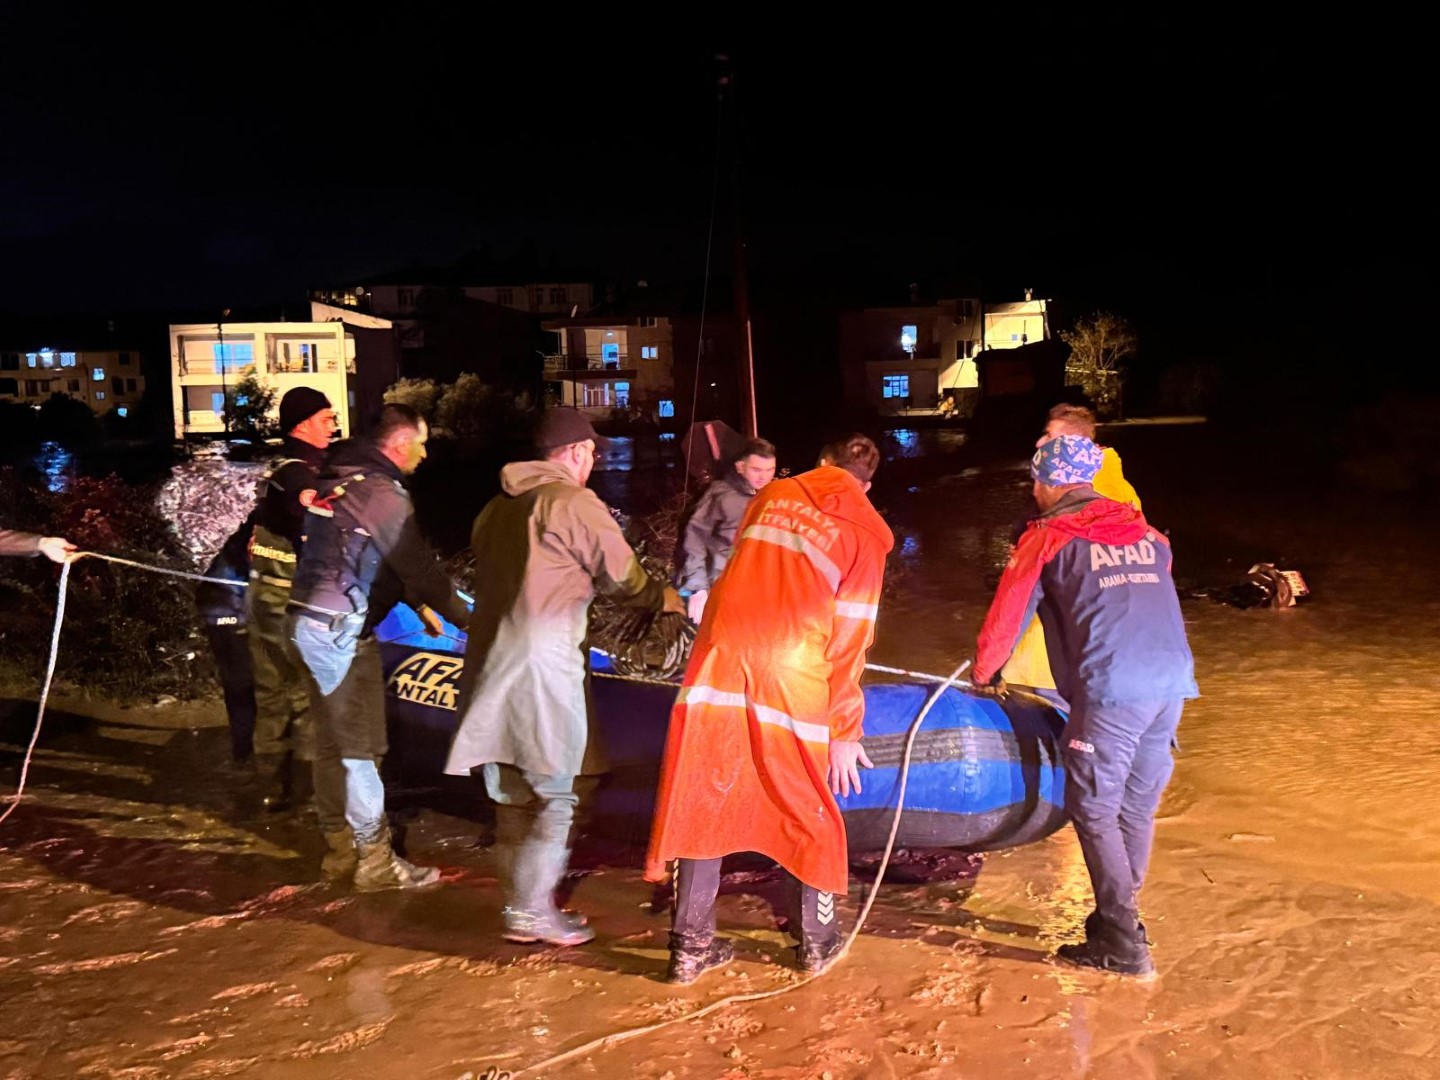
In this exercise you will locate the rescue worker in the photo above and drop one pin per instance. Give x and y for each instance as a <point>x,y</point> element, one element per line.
<point>224,611</point>
<point>1029,666</point>
<point>547,545</point>
<point>288,487</point>
<point>1100,577</point>
<point>710,532</point>
<point>767,726</point>
<point>55,548</point>
<point>363,553</point>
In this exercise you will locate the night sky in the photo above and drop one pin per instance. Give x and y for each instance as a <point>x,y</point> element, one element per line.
<point>1155,162</point>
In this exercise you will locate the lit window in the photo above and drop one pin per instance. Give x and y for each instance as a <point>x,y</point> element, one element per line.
<point>908,337</point>
<point>97,374</point>
<point>232,355</point>
<point>667,407</point>
<point>47,358</point>
<point>895,386</point>
<point>650,352</point>
<point>610,354</point>
<point>31,359</point>
<point>99,395</point>
<point>67,359</point>
<point>622,394</point>
<point>123,410</point>
<point>1014,337</point>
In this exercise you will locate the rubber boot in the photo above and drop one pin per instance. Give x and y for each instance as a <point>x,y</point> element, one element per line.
<point>535,867</point>
<point>273,773</point>
<point>380,868</point>
<point>341,860</point>
<point>817,928</point>
<point>691,957</point>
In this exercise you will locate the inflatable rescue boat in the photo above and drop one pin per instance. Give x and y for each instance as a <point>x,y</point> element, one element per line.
<point>984,775</point>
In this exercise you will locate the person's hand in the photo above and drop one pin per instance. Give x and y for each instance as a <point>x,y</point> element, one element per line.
<point>995,688</point>
<point>434,625</point>
<point>844,771</point>
<point>695,606</point>
<point>674,602</point>
<point>56,548</point>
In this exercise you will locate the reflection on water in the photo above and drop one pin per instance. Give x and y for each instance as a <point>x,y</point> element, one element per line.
<point>56,465</point>
<point>913,443</point>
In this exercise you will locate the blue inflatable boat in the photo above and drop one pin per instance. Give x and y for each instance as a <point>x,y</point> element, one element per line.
<point>984,775</point>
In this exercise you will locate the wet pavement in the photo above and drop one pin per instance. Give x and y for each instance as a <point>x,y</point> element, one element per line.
<point>153,924</point>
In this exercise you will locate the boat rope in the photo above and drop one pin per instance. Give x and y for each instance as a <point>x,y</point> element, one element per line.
<point>495,1072</point>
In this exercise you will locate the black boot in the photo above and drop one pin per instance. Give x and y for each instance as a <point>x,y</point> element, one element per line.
<point>1110,949</point>
<point>690,957</point>
<point>273,773</point>
<point>1094,926</point>
<point>816,925</point>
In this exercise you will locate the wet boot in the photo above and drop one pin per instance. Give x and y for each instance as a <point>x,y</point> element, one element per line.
<point>534,869</point>
<point>272,771</point>
<point>817,928</point>
<point>341,860</point>
<point>691,956</point>
<point>1123,952</point>
<point>1094,925</point>
<point>380,868</point>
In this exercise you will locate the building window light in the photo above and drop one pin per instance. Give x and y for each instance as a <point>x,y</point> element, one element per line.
<point>67,359</point>
<point>908,337</point>
<point>667,407</point>
<point>650,352</point>
<point>895,386</point>
<point>97,374</point>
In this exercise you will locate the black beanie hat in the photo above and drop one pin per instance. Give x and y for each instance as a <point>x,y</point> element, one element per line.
<point>298,405</point>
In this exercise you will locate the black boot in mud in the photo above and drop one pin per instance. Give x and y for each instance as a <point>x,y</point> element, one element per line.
<point>1095,926</point>
<point>1093,953</point>
<point>815,956</point>
<point>690,958</point>
<point>380,868</point>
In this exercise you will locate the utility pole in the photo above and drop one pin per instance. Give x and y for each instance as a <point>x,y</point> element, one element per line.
<point>725,80</point>
<point>224,390</point>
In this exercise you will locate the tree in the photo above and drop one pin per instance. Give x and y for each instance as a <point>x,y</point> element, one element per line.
<point>473,409</point>
<point>1099,348</point>
<point>420,394</point>
<point>247,407</point>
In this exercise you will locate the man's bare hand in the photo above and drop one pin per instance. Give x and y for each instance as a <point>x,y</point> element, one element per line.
<point>434,625</point>
<point>56,548</point>
<point>696,605</point>
<point>674,602</point>
<point>844,772</point>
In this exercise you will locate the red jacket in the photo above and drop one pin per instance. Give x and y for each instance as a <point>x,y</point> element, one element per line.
<point>774,676</point>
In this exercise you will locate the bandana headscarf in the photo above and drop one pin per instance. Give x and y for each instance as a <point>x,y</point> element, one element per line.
<point>1067,459</point>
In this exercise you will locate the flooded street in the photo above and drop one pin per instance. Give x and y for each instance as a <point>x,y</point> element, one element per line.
<point>155,925</point>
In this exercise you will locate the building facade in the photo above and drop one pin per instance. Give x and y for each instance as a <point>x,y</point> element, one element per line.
<point>602,366</point>
<point>208,359</point>
<point>103,379</point>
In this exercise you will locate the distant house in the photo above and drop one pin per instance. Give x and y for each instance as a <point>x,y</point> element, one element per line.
<point>103,379</point>
<point>618,362</point>
<point>904,360</point>
<point>208,359</point>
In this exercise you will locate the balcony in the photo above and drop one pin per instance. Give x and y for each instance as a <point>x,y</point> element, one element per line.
<point>586,367</point>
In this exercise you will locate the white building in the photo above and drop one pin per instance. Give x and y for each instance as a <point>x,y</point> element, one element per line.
<point>207,359</point>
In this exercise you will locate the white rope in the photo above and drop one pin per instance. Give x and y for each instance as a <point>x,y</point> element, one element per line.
<point>44,690</point>
<point>607,1041</point>
<point>14,800</point>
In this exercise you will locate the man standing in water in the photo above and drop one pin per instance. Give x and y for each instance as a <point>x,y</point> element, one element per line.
<point>1100,578</point>
<point>710,532</point>
<point>363,553</point>
<point>544,546</point>
<point>767,726</point>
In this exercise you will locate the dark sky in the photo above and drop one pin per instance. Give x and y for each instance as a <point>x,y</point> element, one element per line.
<point>255,154</point>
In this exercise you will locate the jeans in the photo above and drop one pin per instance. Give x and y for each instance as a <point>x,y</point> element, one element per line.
<point>1117,763</point>
<point>347,701</point>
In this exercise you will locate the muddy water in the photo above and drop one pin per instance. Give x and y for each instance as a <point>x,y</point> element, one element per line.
<point>153,924</point>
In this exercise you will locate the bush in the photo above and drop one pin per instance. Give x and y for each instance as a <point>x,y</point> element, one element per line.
<point>247,407</point>
<point>420,394</point>
<point>127,633</point>
<point>69,422</point>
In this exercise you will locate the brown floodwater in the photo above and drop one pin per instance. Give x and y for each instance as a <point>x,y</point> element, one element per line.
<point>154,925</point>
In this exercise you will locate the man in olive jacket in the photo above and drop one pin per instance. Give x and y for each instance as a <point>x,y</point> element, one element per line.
<point>543,548</point>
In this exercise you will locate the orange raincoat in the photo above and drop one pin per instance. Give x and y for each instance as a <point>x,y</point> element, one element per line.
<point>773,677</point>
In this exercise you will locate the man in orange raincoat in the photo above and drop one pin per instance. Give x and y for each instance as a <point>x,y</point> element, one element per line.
<point>768,722</point>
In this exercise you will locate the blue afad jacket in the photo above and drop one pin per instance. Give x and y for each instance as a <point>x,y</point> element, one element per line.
<point>1099,576</point>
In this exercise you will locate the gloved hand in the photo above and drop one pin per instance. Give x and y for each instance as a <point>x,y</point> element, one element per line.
<point>695,605</point>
